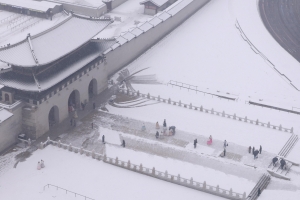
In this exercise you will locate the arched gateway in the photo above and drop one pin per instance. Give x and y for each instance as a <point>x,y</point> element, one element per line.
<point>74,100</point>
<point>53,117</point>
<point>92,88</point>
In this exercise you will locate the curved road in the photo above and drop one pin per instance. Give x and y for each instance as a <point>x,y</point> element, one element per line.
<point>282,19</point>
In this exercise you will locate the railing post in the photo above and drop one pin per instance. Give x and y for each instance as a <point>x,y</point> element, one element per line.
<point>204,185</point>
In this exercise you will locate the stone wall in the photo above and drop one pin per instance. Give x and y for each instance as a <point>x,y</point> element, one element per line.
<point>35,121</point>
<point>10,128</point>
<point>133,48</point>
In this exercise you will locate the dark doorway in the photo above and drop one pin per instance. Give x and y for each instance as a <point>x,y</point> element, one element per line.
<point>53,116</point>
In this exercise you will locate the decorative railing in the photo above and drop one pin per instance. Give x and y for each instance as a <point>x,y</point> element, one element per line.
<point>227,96</point>
<point>209,111</point>
<point>68,191</point>
<point>190,183</point>
<point>11,106</point>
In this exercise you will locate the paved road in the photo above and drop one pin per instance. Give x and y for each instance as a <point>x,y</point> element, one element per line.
<point>282,19</point>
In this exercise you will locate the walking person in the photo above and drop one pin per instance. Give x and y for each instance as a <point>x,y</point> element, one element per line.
<point>42,164</point>
<point>165,123</point>
<point>260,149</point>
<point>255,154</point>
<point>123,143</point>
<point>39,166</point>
<point>195,143</point>
<point>157,126</point>
<point>103,139</point>
<point>253,150</point>
<point>157,134</point>
<point>225,144</point>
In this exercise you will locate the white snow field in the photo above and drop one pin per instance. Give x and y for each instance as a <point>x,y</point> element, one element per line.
<point>208,51</point>
<point>85,176</point>
<point>247,13</point>
<point>279,195</point>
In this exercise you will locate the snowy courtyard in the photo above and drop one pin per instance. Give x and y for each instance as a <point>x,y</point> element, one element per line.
<point>201,79</point>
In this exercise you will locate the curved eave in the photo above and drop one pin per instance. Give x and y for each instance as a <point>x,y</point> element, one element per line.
<point>48,47</point>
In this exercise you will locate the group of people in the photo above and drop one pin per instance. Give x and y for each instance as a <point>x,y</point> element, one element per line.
<point>209,141</point>
<point>40,165</point>
<point>164,129</point>
<point>255,152</point>
<point>282,163</point>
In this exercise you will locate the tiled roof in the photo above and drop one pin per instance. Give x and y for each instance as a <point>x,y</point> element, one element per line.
<point>59,72</point>
<point>156,2</point>
<point>54,43</point>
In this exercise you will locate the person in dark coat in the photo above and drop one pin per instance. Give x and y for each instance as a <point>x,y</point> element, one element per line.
<point>274,161</point>
<point>165,123</point>
<point>258,192</point>
<point>282,164</point>
<point>260,149</point>
<point>103,139</point>
<point>123,143</point>
<point>255,154</point>
<point>195,143</point>
<point>253,150</point>
<point>250,149</point>
<point>225,144</point>
<point>157,134</point>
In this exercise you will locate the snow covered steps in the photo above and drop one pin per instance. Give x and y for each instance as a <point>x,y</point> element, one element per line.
<point>288,146</point>
<point>261,184</point>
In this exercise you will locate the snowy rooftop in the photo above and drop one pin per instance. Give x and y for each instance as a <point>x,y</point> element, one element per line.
<point>4,114</point>
<point>58,73</point>
<point>91,3</point>
<point>15,27</point>
<point>46,47</point>
<point>155,2</point>
<point>31,4</point>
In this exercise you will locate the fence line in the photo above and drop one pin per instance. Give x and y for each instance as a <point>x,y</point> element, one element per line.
<point>211,111</point>
<point>195,88</point>
<point>190,183</point>
<point>76,194</point>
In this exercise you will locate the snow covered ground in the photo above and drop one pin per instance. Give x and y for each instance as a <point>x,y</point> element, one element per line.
<point>247,13</point>
<point>280,194</point>
<point>207,51</point>
<point>85,176</point>
<point>185,170</point>
<point>200,123</point>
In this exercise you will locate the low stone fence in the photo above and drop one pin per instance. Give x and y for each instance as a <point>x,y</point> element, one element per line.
<point>165,176</point>
<point>209,111</point>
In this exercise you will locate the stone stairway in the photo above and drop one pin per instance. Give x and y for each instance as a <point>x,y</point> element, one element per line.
<point>262,184</point>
